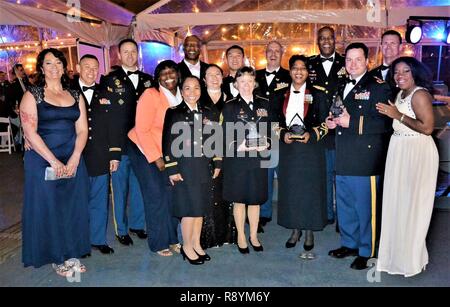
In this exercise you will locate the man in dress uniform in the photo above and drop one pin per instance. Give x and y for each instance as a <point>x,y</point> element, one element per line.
<point>272,80</point>
<point>361,147</point>
<point>391,42</point>
<point>235,61</point>
<point>326,70</point>
<point>191,64</point>
<point>123,88</point>
<point>102,152</point>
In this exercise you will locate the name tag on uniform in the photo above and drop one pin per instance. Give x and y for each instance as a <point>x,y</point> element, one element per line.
<point>362,96</point>
<point>119,90</point>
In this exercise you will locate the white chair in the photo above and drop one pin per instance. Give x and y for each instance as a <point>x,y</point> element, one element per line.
<point>7,140</point>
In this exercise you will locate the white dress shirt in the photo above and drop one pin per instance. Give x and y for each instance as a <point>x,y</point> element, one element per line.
<point>173,100</point>
<point>269,78</point>
<point>385,72</point>
<point>134,78</point>
<point>195,69</point>
<point>89,93</point>
<point>350,85</point>
<point>327,64</point>
<point>233,90</point>
<point>295,106</point>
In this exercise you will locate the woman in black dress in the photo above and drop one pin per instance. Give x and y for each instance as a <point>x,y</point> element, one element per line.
<point>301,180</point>
<point>188,167</point>
<point>245,180</point>
<point>218,224</point>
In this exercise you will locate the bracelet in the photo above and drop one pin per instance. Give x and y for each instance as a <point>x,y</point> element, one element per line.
<point>401,118</point>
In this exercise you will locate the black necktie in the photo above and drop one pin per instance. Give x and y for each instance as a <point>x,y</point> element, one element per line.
<point>129,73</point>
<point>384,67</point>
<point>86,88</point>
<point>296,92</point>
<point>268,73</point>
<point>331,59</point>
<point>352,81</point>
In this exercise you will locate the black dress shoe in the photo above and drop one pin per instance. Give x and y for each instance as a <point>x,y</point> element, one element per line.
<point>343,252</point>
<point>259,248</point>
<point>260,228</point>
<point>308,247</point>
<point>264,220</point>
<point>243,250</point>
<point>139,232</point>
<point>191,261</point>
<point>104,249</point>
<point>291,242</point>
<point>204,257</point>
<point>125,240</point>
<point>360,263</point>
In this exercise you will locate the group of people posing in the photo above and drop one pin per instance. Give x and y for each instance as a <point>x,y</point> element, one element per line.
<point>327,124</point>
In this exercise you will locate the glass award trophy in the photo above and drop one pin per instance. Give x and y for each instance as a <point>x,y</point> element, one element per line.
<point>253,138</point>
<point>296,128</point>
<point>337,107</point>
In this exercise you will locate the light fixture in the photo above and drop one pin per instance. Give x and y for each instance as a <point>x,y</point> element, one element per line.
<point>446,36</point>
<point>414,31</point>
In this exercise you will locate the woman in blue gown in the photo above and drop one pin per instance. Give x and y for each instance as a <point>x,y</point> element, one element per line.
<point>55,213</point>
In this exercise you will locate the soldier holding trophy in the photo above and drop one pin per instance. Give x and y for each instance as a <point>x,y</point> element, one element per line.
<point>302,165</point>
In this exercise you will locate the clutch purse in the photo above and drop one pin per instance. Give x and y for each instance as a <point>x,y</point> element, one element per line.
<point>50,174</point>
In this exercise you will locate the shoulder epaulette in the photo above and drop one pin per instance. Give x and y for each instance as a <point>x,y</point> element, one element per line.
<point>262,97</point>
<point>379,81</point>
<point>234,98</point>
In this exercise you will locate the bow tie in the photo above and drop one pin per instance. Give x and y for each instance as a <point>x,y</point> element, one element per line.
<point>384,67</point>
<point>296,92</point>
<point>129,73</point>
<point>268,73</point>
<point>331,59</point>
<point>86,88</point>
<point>352,81</point>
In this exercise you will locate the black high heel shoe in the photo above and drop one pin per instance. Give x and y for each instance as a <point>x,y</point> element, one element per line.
<point>191,261</point>
<point>256,248</point>
<point>290,243</point>
<point>243,250</point>
<point>204,257</point>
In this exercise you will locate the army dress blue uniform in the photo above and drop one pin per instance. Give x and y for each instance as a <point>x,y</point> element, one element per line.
<point>244,179</point>
<point>384,72</point>
<point>102,147</point>
<point>360,157</point>
<point>123,95</point>
<point>279,82</point>
<point>326,86</point>
<point>192,196</point>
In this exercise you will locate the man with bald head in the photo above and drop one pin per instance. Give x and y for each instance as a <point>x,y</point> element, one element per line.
<point>191,64</point>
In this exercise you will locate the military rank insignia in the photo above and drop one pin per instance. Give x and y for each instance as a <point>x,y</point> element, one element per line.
<point>281,86</point>
<point>342,72</point>
<point>362,96</point>
<point>261,113</point>
<point>379,81</point>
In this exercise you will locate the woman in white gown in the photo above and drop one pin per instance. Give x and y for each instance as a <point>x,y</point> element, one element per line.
<point>411,172</point>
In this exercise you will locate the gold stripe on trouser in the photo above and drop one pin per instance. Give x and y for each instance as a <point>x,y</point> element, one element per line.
<point>113,205</point>
<point>373,192</point>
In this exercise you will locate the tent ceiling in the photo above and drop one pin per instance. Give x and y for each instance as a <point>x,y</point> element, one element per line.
<point>97,11</point>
